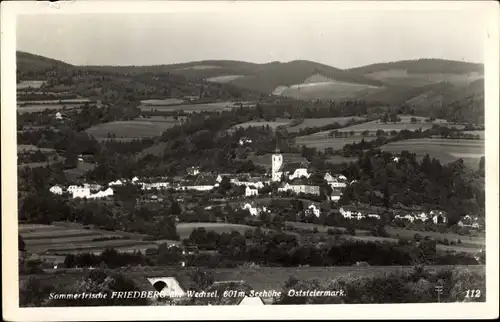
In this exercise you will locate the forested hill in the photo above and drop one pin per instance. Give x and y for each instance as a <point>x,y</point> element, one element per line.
<point>423,66</point>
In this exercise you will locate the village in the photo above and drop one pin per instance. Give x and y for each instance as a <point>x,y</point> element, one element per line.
<point>285,178</point>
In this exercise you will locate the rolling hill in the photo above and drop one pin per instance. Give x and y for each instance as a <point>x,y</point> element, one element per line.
<point>422,72</point>
<point>442,88</point>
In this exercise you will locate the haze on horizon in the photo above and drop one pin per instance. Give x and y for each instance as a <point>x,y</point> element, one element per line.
<point>339,39</point>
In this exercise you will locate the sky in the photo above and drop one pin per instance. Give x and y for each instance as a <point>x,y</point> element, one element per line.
<point>341,39</point>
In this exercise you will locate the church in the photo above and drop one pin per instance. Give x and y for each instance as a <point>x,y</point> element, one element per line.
<point>293,170</point>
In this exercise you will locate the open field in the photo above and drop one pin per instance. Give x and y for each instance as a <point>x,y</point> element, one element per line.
<point>403,77</point>
<point>273,125</point>
<point>185,229</point>
<point>62,238</point>
<point>42,107</point>
<point>475,241</point>
<point>31,148</point>
<point>224,79</point>
<point>333,90</point>
<point>405,124</point>
<point>319,122</point>
<point>167,101</point>
<point>446,150</point>
<point>321,140</point>
<point>138,128</point>
<point>190,108</point>
<point>30,84</point>
<point>480,133</point>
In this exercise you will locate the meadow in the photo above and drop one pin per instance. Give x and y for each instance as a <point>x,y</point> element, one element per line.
<point>446,150</point>
<point>62,238</point>
<point>33,108</point>
<point>319,122</point>
<point>332,90</point>
<point>167,101</point>
<point>474,241</point>
<point>137,128</point>
<point>224,79</point>
<point>30,84</point>
<point>190,108</point>
<point>404,124</point>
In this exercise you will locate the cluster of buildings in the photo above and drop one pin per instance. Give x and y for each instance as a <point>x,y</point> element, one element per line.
<point>86,191</point>
<point>437,216</point>
<point>351,212</point>
<point>471,222</point>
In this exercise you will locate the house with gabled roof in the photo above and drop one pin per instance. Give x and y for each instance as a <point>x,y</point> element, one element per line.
<point>57,190</point>
<point>251,190</point>
<point>201,183</point>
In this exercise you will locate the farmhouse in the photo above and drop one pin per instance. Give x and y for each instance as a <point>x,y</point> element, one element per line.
<point>469,221</point>
<point>335,196</point>
<point>253,208</point>
<point>251,191</point>
<point>56,190</point>
<point>313,210</point>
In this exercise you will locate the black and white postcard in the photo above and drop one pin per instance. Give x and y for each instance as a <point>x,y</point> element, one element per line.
<point>249,160</point>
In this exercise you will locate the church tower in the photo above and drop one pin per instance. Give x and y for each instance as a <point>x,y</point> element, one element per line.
<point>277,162</point>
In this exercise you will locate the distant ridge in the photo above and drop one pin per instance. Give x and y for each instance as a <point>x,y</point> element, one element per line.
<point>423,65</point>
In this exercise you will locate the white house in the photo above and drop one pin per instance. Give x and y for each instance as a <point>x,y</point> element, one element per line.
<point>313,209</point>
<point>299,173</point>
<point>81,192</point>
<point>251,191</point>
<point>135,179</point>
<point>58,116</point>
<point>437,218</point>
<point>335,196</point>
<point>375,216</point>
<point>115,183</point>
<point>56,190</point>
<point>254,209</point>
